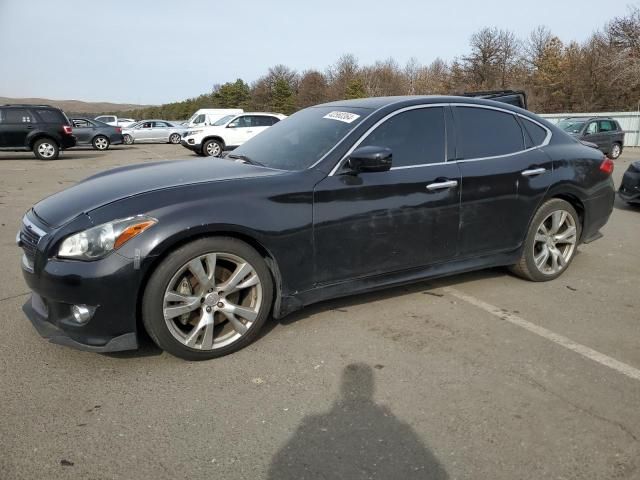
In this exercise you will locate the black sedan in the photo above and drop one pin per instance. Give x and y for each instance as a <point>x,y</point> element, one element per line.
<point>338,199</point>
<point>95,133</point>
<point>629,190</point>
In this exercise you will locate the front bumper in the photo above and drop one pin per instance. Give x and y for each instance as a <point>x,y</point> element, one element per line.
<point>194,147</point>
<point>109,285</point>
<point>629,190</point>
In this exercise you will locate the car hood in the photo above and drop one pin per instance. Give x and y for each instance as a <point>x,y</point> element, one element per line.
<point>120,183</point>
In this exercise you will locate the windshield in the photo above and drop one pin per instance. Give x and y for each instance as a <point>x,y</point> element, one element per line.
<point>571,125</point>
<point>223,120</point>
<point>302,139</point>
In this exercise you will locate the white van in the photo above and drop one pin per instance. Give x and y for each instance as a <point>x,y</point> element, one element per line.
<point>208,116</point>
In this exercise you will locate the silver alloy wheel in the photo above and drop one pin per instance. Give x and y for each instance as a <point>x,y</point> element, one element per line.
<point>101,143</point>
<point>46,150</point>
<point>213,149</point>
<point>174,138</point>
<point>212,301</point>
<point>615,151</point>
<point>555,242</point>
<point>128,139</point>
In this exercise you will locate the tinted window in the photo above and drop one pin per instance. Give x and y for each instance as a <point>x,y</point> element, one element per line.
<point>79,123</point>
<point>262,121</point>
<point>487,133</point>
<point>535,133</point>
<point>160,125</point>
<point>415,137</point>
<point>607,126</point>
<point>303,138</point>
<point>241,122</point>
<point>17,115</point>
<point>51,116</point>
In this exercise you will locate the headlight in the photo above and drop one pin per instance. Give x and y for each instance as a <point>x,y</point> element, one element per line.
<point>192,132</point>
<point>98,241</point>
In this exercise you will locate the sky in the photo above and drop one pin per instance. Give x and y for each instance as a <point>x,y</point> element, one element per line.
<point>158,51</point>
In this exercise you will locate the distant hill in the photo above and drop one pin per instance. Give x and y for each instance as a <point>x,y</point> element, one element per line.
<point>76,106</point>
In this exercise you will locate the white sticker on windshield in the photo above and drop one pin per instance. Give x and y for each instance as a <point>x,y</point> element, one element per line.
<point>345,117</point>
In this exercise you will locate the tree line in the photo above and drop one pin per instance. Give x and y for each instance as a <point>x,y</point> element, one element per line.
<point>601,73</point>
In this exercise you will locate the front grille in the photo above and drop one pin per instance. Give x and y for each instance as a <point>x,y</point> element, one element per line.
<point>30,235</point>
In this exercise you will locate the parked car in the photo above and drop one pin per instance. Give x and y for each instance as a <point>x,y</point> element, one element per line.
<point>337,199</point>
<point>208,116</point>
<point>115,121</point>
<point>95,133</point>
<point>153,131</point>
<point>41,129</point>
<point>228,132</point>
<point>629,190</point>
<point>604,132</point>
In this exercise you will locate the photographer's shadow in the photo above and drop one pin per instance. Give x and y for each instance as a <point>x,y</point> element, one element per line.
<point>356,439</point>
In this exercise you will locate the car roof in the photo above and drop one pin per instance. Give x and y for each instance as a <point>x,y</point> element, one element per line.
<point>584,119</point>
<point>375,103</point>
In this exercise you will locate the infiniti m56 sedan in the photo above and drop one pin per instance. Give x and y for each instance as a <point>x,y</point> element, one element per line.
<point>337,199</point>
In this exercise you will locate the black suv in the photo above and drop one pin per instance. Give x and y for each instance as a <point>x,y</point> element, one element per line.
<point>603,132</point>
<point>42,129</point>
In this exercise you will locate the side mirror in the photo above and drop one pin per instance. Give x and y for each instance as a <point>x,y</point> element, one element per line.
<point>370,159</point>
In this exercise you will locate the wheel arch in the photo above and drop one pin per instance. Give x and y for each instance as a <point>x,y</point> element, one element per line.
<point>174,243</point>
<point>39,136</point>
<point>214,137</point>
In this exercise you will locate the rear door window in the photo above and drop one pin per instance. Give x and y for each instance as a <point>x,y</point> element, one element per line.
<point>607,126</point>
<point>483,132</point>
<point>17,115</point>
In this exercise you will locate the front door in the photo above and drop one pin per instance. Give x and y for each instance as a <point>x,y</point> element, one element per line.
<point>16,124</point>
<point>160,132</point>
<point>377,222</point>
<point>504,178</point>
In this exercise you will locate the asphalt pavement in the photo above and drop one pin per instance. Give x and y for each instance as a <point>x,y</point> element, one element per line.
<point>476,376</point>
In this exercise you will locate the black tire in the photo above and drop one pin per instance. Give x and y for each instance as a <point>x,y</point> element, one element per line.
<point>100,142</point>
<point>174,138</point>
<point>127,139</point>
<point>616,151</point>
<point>46,149</point>
<point>526,267</point>
<point>212,146</point>
<point>152,301</point>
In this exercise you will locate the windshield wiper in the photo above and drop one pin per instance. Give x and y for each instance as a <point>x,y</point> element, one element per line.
<point>245,159</point>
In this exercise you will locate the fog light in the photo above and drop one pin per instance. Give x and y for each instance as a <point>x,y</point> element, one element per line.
<point>191,141</point>
<point>82,313</point>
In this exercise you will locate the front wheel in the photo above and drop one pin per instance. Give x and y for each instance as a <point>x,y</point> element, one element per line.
<point>212,148</point>
<point>616,151</point>
<point>128,139</point>
<point>100,143</point>
<point>551,242</point>
<point>208,298</point>
<point>46,149</point>
<point>174,138</point>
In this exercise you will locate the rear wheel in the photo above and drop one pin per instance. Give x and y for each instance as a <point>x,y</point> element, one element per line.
<point>174,138</point>
<point>551,242</point>
<point>212,148</point>
<point>100,142</point>
<point>207,299</point>
<point>616,151</point>
<point>46,149</point>
<point>128,139</point>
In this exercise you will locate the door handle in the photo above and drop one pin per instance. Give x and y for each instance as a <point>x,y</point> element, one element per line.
<point>29,127</point>
<point>442,185</point>
<point>533,171</point>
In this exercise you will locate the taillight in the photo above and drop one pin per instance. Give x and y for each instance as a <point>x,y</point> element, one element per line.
<point>119,129</point>
<point>67,129</point>
<point>607,166</point>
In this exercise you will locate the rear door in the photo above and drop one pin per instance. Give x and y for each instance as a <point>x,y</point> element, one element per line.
<point>505,175</point>
<point>160,131</point>
<point>16,125</point>
<point>377,222</point>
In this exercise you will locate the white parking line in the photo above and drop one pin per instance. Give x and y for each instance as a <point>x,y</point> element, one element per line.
<point>565,342</point>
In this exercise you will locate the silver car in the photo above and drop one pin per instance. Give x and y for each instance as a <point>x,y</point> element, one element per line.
<point>153,131</point>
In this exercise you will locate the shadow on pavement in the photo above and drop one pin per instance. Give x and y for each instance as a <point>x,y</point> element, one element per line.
<point>356,439</point>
